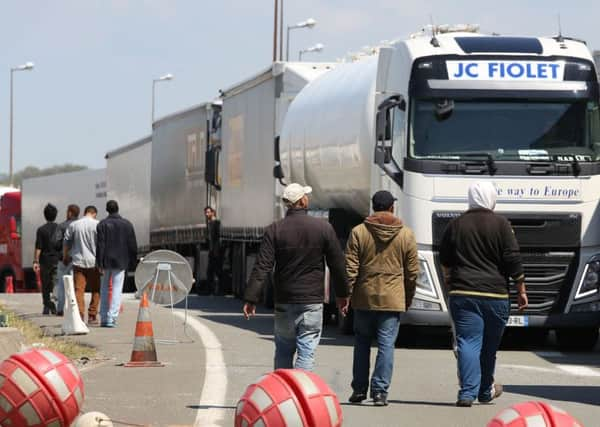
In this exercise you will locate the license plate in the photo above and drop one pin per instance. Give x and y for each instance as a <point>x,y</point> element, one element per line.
<point>518,321</point>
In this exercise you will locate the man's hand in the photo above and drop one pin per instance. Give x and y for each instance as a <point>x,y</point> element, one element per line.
<point>343,305</point>
<point>522,301</point>
<point>249,310</point>
<point>66,260</point>
<point>36,266</point>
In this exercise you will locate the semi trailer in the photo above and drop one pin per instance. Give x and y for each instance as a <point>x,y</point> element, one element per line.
<point>426,117</point>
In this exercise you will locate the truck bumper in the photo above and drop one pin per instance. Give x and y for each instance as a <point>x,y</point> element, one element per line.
<point>552,321</point>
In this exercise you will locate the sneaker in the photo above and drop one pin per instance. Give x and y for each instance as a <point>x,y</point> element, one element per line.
<point>108,324</point>
<point>496,392</point>
<point>357,397</point>
<point>380,399</point>
<point>464,403</point>
<point>93,320</point>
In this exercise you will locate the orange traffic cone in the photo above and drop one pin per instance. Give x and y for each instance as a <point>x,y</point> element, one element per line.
<point>10,289</point>
<point>144,351</point>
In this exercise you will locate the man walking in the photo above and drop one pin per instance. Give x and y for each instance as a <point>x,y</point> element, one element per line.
<point>215,259</point>
<point>63,267</point>
<point>298,246</point>
<point>46,257</point>
<point>479,252</point>
<point>116,252</point>
<point>382,267</point>
<point>80,249</point>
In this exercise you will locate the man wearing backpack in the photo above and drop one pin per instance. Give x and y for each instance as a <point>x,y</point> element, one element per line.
<point>64,266</point>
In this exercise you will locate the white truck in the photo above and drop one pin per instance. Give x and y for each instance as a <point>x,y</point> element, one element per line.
<point>86,187</point>
<point>426,117</point>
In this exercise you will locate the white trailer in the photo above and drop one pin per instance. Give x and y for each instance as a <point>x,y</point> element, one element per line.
<point>128,182</point>
<point>252,115</point>
<point>428,116</point>
<point>83,188</point>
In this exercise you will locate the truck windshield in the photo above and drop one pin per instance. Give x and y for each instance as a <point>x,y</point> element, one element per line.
<point>506,130</point>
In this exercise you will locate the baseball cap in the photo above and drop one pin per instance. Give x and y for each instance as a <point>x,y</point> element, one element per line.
<point>382,200</point>
<point>295,192</point>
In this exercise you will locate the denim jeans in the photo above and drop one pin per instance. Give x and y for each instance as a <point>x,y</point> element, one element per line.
<point>479,324</point>
<point>59,287</point>
<point>297,330</point>
<point>382,325</point>
<point>109,311</point>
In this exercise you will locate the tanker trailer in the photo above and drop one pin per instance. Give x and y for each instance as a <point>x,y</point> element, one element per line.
<point>428,116</point>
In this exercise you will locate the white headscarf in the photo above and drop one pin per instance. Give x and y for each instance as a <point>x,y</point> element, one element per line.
<point>482,194</point>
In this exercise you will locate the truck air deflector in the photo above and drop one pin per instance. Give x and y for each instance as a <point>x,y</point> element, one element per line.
<point>500,45</point>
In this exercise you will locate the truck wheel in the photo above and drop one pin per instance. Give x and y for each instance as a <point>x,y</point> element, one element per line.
<point>583,339</point>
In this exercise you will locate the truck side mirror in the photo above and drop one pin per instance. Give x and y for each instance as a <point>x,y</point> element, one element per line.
<point>383,123</point>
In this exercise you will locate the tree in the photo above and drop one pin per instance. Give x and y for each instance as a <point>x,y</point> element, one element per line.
<point>34,171</point>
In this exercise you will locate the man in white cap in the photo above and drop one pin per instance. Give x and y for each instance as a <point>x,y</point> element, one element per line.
<point>297,247</point>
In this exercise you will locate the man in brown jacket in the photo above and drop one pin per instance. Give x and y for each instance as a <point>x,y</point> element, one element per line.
<point>382,267</point>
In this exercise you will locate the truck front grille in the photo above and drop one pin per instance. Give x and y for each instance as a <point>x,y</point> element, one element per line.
<point>546,275</point>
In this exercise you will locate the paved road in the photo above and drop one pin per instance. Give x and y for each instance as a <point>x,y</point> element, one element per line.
<point>209,369</point>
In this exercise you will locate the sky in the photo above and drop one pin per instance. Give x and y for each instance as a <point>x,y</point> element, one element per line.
<point>95,60</point>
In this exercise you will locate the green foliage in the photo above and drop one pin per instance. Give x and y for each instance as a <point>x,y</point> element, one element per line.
<point>33,171</point>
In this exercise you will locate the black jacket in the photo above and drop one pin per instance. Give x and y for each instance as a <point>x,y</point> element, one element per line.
<point>481,251</point>
<point>116,247</point>
<point>213,234</point>
<point>298,247</point>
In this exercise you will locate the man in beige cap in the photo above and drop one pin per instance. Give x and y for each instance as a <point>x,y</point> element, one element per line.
<point>297,247</point>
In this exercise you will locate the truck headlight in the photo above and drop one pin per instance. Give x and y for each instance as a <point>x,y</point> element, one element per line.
<point>425,281</point>
<point>589,279</point>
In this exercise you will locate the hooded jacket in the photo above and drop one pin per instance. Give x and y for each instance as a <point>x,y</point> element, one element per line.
<point>382,264</point>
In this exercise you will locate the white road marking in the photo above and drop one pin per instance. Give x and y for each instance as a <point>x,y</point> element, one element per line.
<point>529,368</point>
<point>212,400</point>
<point>578,370</point>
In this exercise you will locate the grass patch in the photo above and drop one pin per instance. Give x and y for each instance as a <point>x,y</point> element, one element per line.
<point>34,335</point>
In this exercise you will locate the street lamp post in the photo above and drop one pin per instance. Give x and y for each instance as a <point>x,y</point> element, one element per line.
<point>164,78</point>
<point>309,23</point>
<point>25,67</point>
<point>316,48</point>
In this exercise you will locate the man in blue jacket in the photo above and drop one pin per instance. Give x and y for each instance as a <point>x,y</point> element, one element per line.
<point>116,251</point>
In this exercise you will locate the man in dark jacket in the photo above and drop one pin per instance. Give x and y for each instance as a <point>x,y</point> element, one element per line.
<point>479,252</point>
<point>382,265</point>
<point>46,256</point>
<point>215,257</point>
<point>297,247</point>
<point>64,267</point>
<point>116,252</point>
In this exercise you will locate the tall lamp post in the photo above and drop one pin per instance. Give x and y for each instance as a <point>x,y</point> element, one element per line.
<point>164,78</point>
<point>25,67</point>
<point>309,23</point>
<point>316,48</point>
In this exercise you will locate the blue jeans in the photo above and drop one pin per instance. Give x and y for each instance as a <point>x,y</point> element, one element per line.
<point>110,311</point>
<point>297,329</point>
<point>382,325</point>
<point>479,324</point>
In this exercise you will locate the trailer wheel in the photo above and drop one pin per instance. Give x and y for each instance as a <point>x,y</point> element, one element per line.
<point>572,339</point>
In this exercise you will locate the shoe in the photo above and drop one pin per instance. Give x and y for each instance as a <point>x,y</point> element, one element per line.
<point>464,403</point>
<point>46,311</point>
<point>108,324</point>
<point>497,390</point>
<point>60,313</point>
<point>93,320</point>
<point>380,399</point>
<point>357,397</point>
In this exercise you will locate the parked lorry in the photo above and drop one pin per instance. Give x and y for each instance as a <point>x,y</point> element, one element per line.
<point>10,239</point>
<point>428,116</point>
<point>86,187</point>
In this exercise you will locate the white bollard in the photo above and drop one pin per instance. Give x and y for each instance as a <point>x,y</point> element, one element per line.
<point>93,419</point>
<point>72,324</point>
